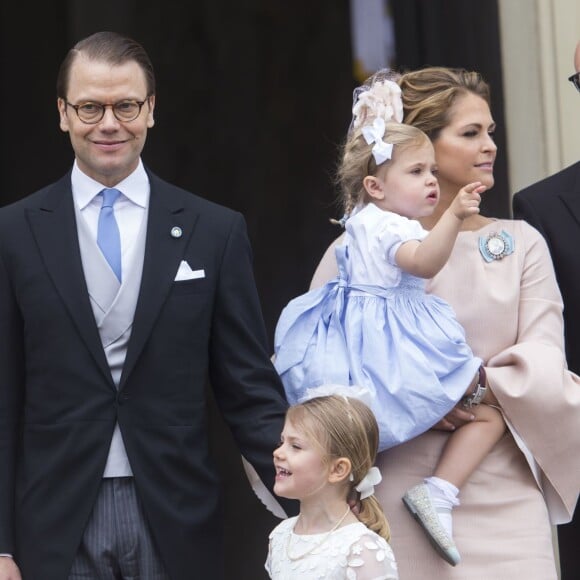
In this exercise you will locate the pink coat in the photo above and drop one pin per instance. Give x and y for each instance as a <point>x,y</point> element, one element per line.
<point>511,310</point>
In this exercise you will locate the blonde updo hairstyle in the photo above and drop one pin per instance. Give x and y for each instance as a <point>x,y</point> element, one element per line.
<point>429,94</point>
<point>345,427</point>
<point>357,160</point>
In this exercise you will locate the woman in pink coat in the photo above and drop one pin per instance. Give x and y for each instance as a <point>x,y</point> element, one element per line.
<point>500,282</point>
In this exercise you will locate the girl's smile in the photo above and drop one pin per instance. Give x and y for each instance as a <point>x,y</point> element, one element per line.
<point>301,469</point>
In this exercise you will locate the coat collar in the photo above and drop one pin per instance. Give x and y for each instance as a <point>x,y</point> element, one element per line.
<point>570,195</point>
<point>163,254</point>
<point>53,225</point>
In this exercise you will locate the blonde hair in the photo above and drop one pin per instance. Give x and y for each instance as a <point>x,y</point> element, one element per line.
<point>357,160</point>
<point>429,94</point>
<point>345,427</point>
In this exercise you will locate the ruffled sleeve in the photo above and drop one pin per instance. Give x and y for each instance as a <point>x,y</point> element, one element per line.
<point>383,230</point>
<point>539,396</point>
<point>394,231</point>
<point>373,237</point>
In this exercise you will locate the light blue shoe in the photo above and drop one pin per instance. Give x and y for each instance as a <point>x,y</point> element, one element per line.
<point>418,501</point>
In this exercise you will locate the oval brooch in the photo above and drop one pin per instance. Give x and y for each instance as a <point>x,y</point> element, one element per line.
<point>496,246</point>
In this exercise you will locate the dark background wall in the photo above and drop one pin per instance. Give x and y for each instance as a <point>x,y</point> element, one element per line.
<point>253,100</point>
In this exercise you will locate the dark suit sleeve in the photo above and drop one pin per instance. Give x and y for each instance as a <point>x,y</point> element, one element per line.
<point>524,209</point>
<point>11,387</point>
<point>246,386</point>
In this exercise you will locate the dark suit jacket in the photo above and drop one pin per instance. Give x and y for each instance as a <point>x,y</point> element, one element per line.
<point>58,402</point>
<point>553,207</point>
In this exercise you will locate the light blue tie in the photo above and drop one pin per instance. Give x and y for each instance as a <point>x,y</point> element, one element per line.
<point>108,237</point>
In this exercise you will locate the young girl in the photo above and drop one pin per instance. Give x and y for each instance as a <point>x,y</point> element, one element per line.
<point>376,327</point>
<point>327,450</point>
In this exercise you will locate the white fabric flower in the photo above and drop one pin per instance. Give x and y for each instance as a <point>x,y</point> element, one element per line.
<point>371,545</point>
<point>382,101</point>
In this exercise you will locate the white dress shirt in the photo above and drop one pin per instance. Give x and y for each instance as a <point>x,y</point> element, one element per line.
<point>130,208</point>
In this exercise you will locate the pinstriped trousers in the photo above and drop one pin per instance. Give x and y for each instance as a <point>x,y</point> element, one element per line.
<point>117,543</point>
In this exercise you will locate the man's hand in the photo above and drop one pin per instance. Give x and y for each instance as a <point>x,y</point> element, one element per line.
<point>8,569</point>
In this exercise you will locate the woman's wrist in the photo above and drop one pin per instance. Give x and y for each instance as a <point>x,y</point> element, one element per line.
<point>477,395</point>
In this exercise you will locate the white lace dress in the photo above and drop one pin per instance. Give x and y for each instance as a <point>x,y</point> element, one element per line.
<point>352,552</point>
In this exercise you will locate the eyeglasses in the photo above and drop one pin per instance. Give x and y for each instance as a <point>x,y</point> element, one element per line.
<point>575,80</point>
<point>92,113</point>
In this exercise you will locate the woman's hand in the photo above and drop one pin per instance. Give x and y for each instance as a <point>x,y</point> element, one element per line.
<point>457,417</point>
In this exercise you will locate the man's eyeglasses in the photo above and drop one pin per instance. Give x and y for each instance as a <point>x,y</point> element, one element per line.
<point>92,113</point>
<point>575,80</point>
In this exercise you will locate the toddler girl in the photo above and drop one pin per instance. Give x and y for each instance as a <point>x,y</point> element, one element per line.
<point>327,450</point>
<point>376,327</point>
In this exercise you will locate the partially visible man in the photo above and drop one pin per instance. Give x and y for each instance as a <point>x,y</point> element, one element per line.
<point>553,207</point>
<point>120,296</point>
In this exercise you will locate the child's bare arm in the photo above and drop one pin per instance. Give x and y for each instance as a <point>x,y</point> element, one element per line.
<point>426,258</point>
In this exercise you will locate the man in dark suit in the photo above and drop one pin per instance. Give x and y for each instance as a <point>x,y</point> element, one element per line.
<point>120,297</point>
<point>553,207</point>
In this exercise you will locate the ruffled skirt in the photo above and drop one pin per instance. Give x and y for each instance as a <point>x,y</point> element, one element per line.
<point>403,345</point>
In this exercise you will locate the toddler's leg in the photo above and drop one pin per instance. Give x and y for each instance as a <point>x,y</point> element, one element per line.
<point>431,502</point>
<point>468,446</point>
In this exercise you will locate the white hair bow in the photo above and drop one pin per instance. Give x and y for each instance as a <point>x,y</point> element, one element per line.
<point>374,134</point>
<point>367,485</point>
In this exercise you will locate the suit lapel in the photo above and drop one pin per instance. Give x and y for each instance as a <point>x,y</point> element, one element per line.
<point>163,254</point>
<point>53,226</point>
<point>571,197</point>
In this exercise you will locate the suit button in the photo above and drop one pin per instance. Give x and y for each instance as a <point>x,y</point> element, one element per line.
<point>122,398</point>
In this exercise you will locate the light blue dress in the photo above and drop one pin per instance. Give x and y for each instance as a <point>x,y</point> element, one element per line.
<point>374,326</point>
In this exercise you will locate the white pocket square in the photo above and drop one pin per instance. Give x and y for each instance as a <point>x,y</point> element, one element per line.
<point>185,272</point>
